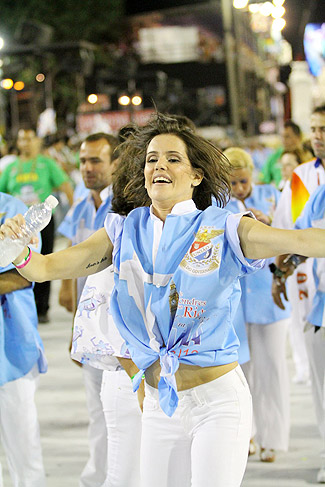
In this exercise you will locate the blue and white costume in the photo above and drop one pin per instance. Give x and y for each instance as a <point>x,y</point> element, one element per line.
<point>176,293</point>
<point>21,360</point>
<point>266,325</point>
<point>313,215</point>
<point>257,300</point>
<point>195,260</point>
<point>306,178</point>
<point>81,221</point>
<point>113,407</point>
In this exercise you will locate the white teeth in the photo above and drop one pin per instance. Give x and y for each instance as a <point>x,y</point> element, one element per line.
<point>161,179</point>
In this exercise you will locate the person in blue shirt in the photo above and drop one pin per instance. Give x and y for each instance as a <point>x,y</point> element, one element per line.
<point>313,216</point>
<point>267,325</point>
<point>113,408</point>
<point>177,264</point>
<point>21,360</point>
<point>87,214</point>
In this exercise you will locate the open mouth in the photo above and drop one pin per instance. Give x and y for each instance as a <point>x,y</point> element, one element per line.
<point>161,179</point>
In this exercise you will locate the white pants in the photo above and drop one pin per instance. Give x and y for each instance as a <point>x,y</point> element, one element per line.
<point>19,431</point>
<point>267,375</point>
<point>94,473</point>
<point>301,290</point>
<point>315,343</point>
<point>123,422</point>
<point>205,442</point>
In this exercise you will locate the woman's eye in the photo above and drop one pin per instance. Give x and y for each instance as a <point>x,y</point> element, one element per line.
<point>152,159</point>
<point>173,159</point>
<point>243,181</point>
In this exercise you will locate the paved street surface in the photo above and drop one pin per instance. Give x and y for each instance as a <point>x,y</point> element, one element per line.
<point>63,418</point>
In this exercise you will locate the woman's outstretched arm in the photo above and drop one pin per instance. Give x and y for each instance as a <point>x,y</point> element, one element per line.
<point>90,256</point>
<point>259,241</point>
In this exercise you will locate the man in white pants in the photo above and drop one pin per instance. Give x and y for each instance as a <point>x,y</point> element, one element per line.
<point>84,218</point>
<point>112,412</point>
<point>306,179</point>
<point>21,361</point>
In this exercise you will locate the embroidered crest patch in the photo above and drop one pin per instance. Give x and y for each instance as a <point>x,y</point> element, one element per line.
<point>203,255</point>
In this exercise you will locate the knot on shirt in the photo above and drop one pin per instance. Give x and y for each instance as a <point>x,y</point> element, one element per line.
<point>167,387</point>
<point>169,363</point>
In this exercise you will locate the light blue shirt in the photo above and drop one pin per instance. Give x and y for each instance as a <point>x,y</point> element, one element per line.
<point>177,289</point>
<point>83,219</point>
<point>20,344</point>
<point>257,301</point>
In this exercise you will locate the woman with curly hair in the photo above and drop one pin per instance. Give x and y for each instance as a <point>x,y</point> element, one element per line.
<point>177,263</point>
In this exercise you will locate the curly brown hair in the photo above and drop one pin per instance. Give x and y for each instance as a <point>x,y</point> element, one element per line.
<point>129,183</point>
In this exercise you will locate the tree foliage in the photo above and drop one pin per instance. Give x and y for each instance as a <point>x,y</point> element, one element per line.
<point>98,21</point>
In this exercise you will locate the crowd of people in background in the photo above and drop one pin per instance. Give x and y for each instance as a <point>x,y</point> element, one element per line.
<point>282,187</point>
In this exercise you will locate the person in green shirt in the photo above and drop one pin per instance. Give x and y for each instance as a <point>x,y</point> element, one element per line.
<point>292,140</point>
<point>32,177</point>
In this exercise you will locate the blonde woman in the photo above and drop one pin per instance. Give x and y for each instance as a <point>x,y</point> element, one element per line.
<point>266,324</point>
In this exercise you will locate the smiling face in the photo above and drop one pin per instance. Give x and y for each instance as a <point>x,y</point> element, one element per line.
<point>169,175</point>
<point>241,183</point>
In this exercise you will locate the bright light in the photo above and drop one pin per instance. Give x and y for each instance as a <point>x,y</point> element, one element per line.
<point>278,24</point>
<point>254,7</point>
<point>136,100</point>
<point>278,3</point>
<point>7,83</point>
<point>1,43</point>
<point>240,3</point>
<point>19,85</point>
<point>266,9</point>
<point>40,77</point>
<point>92,99</point>
<point>278,12</point>
<point>124,100</point>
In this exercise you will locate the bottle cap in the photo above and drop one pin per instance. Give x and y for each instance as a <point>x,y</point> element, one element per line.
<point>52,201</point>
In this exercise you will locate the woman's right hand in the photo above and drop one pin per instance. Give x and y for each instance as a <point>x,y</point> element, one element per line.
<point>14,228</point>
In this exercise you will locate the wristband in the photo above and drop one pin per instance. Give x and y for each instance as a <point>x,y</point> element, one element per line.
<point>276,271</point>
<point>25,260</point>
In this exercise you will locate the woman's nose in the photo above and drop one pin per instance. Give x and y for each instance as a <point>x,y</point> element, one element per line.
<point>161,163</point>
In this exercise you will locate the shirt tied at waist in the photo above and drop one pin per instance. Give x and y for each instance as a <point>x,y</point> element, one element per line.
<point>167,388</point>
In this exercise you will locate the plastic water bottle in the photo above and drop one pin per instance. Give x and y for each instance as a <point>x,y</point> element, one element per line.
<point>36,218</point>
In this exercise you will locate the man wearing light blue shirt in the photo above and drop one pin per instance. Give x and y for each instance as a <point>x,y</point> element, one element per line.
<point>21,360</point>
<point>97,164</point>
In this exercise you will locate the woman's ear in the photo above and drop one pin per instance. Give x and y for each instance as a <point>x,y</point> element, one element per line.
<point>198,176</point>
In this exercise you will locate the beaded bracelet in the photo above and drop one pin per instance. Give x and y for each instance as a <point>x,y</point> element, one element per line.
<point>25,260</point>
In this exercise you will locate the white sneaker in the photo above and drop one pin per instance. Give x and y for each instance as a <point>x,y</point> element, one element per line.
<point>321,475</point>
